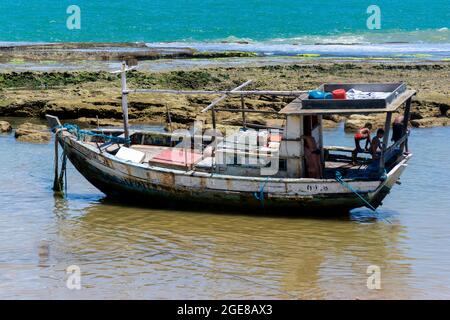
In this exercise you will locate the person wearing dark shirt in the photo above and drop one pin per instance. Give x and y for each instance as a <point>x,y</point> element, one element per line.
<point>397,128</point>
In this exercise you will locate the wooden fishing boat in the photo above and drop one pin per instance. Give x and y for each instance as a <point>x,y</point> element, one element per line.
<point>266,169</point>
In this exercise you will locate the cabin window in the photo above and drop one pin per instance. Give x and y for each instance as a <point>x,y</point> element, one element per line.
<point>282,164</point>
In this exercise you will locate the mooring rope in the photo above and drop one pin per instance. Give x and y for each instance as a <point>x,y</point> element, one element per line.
<point>339,179</point>
<point>80,133</point>
<point>60,180</point>
<point>259,195</point>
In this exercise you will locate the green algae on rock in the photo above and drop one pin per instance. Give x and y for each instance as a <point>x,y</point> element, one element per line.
<point>29,132</point>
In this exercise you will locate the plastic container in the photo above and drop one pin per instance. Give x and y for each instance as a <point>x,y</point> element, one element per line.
<point>339,94</point>
<point>317,94</point>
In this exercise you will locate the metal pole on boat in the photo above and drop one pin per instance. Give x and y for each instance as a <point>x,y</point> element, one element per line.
<point>387,126</point>
<point>322,153</point>
<point>125,103</point>
<point>169,119</point>
<point>213,117</point>
<point>244,121</point>
<point>404,146</point>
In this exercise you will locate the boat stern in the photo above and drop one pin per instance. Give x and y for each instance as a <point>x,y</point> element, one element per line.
<point>392,177</point>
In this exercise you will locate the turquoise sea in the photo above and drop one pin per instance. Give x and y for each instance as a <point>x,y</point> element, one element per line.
<point>260,21</point>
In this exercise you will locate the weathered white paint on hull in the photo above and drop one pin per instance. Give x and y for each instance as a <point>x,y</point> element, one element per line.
<point>114,176</point>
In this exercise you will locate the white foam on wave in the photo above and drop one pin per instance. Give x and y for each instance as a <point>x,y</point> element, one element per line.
<point>438,35</point>
<point>440,49</point>
<point>435,41</point>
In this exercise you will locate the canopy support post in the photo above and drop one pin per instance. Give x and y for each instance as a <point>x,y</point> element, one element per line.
<point>244,120</point>
<point>213,118</point>
<point>406,116</point>
<point>322,153</point>
<point>387,126</point>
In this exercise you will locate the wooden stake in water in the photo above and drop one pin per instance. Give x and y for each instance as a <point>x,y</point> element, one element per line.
<point>56,185</point>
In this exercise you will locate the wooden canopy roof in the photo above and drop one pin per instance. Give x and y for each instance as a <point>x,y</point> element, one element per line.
<point>296,107</point>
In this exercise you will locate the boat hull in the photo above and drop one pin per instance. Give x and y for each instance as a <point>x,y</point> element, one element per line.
<point>175,188</point>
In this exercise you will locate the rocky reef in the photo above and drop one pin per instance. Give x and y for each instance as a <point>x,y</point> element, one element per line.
<point>87,96</point>
<point>5,127</point>
<point>29,132</point>
<point>88,51</point>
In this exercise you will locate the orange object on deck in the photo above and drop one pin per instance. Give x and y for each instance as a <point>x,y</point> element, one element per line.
<point>275,137</point>
<point>339,94</point>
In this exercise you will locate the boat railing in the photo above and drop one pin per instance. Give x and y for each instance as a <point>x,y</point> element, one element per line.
<point>397,145</point>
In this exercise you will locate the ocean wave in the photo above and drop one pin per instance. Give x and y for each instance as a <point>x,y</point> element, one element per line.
<point>433,42</point>
<point>441,50</point>
<point>439,35</point>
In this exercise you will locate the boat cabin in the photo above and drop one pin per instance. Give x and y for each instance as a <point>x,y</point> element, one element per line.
<point>303,133</point>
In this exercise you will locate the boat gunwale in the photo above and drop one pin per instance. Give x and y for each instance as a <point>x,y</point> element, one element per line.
<point>191,173</point>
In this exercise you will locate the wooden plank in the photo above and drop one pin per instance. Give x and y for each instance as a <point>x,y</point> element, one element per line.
<point>342,149</point>
<point>245,110</point>
<point>260,126</point>
<point>223,97</point>
<point>287,93</point>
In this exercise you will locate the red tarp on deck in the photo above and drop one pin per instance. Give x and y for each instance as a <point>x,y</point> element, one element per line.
<point>177,157</point>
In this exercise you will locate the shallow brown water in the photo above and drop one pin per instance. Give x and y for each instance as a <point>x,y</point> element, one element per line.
<point>143,253</point>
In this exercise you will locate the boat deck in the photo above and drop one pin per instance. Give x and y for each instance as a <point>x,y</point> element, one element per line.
<point>344,165</point>
<point>150,151</point>
<point>173,157</point>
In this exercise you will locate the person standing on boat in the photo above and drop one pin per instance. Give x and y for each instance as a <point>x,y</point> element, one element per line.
<point>362,134</point>
<point>397,128</point>
<point>376,144</point>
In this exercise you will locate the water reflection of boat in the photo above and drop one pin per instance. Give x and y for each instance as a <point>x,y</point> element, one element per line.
<point>270,168</point>
<point>147,251</point>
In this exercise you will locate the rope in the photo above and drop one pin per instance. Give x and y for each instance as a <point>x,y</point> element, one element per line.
<point>342,182</point>
<point>60,181</point>
<point>259,195</point>
<point>80,133</point>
